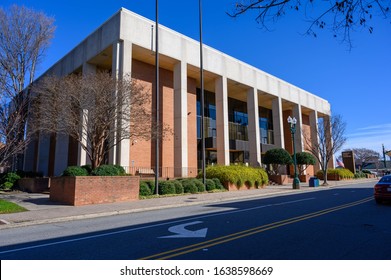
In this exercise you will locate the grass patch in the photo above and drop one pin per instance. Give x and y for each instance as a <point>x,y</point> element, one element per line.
<point>7,207</point>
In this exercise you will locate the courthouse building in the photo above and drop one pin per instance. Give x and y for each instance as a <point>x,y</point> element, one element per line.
<point>246,109</point>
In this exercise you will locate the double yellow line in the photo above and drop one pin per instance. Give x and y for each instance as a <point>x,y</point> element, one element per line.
<point>227,238</point>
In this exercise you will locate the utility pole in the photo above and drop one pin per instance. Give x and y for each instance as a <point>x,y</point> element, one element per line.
<point>384,158</point>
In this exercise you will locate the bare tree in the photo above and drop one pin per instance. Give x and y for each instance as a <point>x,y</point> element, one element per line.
<point>25,35</point>
<point>341,16</point>
<point>96,110</point>
<point>364,157</point>
<point>331,137</point>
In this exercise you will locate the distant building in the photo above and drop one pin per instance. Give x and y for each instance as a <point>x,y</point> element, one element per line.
<point>245,114</point>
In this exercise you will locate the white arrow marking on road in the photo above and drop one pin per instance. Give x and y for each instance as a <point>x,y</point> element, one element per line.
<point>181,231</point>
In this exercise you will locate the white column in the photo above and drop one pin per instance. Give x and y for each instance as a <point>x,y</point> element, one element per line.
<point>180,120</point>
<point>278,126</point>
<point>253,127</point>
<point>82,154</point>
<point>314,134</point>
<point>327,133</point>
<point>222,125</point>
<point>121,66</point>
<point>296,112</point>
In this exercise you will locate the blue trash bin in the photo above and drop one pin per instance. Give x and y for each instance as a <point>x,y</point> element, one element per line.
<point>314,182</point>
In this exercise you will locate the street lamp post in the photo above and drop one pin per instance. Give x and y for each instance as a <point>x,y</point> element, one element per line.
<point>292,122</point>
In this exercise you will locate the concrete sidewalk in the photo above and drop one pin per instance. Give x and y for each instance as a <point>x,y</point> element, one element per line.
<point>42,210</point>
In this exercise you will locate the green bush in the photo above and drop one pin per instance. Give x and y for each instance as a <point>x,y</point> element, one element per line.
<point>144,189</point>
<point>218,184</point>
<point>8,180</point>
<point>74,171</point>
<point>342,172</point>
<point>237,174</point>
<point>210,185</point>
<point>108,170</point>
<point>166,187</point>
<point>189,186</point>
<point>87,167</point>
<point>200,186</point>
<point>178,187</point>
<point>151,185</point>
<point>359,175</point>
<point>303,160</point>
<point>277,157</point>
<point>366,171</point>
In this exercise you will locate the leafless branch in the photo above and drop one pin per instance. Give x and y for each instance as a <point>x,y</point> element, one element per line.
<point>96,110</point>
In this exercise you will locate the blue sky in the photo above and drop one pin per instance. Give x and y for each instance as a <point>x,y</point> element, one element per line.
<point>357,83</point>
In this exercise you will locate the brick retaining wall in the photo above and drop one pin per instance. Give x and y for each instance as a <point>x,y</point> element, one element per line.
<point>84,190</point>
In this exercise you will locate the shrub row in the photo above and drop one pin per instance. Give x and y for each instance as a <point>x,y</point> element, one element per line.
<point>179,186</point>
<point>238,175</point>
<point>86,170</point>
<point>342,172</point>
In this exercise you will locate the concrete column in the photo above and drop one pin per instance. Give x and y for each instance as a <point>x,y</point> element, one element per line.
<point>253,127</point>
<point>43,156</point>
<point>278,125</point>
<point>121,67</point>
<point>327,133</point>
<point>61,154</point>
<point>82,154</point>
<point>314,134</point>
<point>222,125</point>
<point>296,111</point>
<point>180,120</point>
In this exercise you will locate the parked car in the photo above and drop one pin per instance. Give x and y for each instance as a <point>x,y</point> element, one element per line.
<point>382,190</point>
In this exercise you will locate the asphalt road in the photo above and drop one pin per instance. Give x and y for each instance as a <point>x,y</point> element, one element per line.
<point>340,223</point>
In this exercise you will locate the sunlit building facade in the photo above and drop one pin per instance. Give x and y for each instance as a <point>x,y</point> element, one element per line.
<point>246,109</point>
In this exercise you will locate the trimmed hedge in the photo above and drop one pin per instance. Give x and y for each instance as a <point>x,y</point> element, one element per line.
<point>189,186</point>
<point>151,185</point>
<point>238,175</point>
<point>200,186</point>
<point>210,185</point>
<point>108,170</point>
<point>179,186</point>
<point>144,189</point>
<point>166,187</point>
<point>218,184</point>
<point>74,171</point>
<point>103,170</point>
<point>342,172</point>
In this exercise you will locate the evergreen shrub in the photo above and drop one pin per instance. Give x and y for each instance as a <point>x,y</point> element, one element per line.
<point>8,180</point>
<point>74,171</point>
<point>166,187</point>
<point>218,184</point>
<point>200,186</point>
<point>210,185</point>
<point>178,187</point>
<point>342,172</point>
<point>108,170</point>
<point>144,189</point>
<point>189,186</point>
<point>237,174</point>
